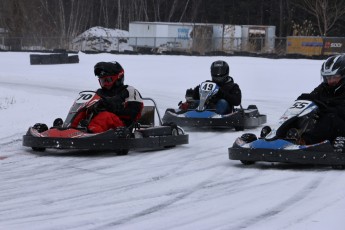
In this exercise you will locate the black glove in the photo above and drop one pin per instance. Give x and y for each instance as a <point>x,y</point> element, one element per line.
<point>329,110</point>
<point>189,92</point>
<point>324,107</point>
<point>306,96</point>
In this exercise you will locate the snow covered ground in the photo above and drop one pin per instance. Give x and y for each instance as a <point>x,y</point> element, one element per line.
<point>193,186</point>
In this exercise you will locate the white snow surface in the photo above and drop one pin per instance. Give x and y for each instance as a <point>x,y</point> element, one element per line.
<point>193,186</point>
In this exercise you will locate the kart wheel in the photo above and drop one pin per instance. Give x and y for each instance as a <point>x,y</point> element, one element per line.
<point>252,107</point>
<point>265,131</point>
<point>249,137</point>
<point>247,162</point>
<point>57,122</point>
<point>239,128</point>
<point>38,149</point>
<point>40,127</point>
<point>339,144</point>
<point>174,132</point>
<point>338,167</point>
<point>171,110</point>
<point>122,152</point>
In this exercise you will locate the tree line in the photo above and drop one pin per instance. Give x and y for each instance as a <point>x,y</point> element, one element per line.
<point>68,18</point>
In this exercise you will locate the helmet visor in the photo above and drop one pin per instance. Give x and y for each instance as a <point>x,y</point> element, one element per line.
<point>332,80</point>
<point>331,77</point>
<point>219,79</point>
<point>108,81</point>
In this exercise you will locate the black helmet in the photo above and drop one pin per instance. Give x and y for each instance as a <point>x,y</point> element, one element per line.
<point>219,71</point>
<point>109,74</point>
<point>334,65</point>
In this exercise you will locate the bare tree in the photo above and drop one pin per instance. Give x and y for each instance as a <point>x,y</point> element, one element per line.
<point>326,12</point>
<point>184,11</point>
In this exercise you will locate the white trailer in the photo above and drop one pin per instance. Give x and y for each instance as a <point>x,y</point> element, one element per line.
<point>258,38</point>
<point>160,34</point>
<point>199,37</point>
<point>227,37</point>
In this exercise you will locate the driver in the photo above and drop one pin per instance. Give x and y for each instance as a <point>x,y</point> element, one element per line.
<point>228,96</point>
<point>120,105</point>
<point>330,96</point>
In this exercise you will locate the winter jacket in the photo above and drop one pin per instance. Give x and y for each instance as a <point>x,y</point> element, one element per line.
<point>333,97</point>
<point>124,101</point>
<point>230,91</point>
<point>117,107</point>
<point>330,121</point>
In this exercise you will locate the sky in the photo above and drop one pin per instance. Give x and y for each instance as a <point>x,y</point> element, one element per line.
<point>193,186</point>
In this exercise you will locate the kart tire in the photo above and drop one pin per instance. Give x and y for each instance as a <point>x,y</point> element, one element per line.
<point>244,162</point>
<point>122,152</point>
<point>252,107</point>
<point>38,149</point>
<point>248,137</point>
<point>239,128</point>
<point>58,122</point>
<point>40,127</point>
<point>338,167</point>
<point>171,110</point>
<point>174,132</point>
<point>265,131</point>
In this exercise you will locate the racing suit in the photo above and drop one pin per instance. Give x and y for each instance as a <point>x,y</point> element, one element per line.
<point>118,107</point>
<point>330,121</point>
<point>228,96</point>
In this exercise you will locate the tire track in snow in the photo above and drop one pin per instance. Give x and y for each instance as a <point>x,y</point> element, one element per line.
<point>156,208</point>
<point>292,200</point>
<point>8,142</point>
<point>180,195</point>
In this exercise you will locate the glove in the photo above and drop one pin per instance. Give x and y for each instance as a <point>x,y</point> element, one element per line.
<point>189,92</point>
<point>329,110</point>
<point>306,96</point>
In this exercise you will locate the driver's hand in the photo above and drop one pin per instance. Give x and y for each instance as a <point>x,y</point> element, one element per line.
<point>306,96</point>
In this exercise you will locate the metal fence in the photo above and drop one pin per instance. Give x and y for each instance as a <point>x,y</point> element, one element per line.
<point>307,46</point>
<point>200,46</point>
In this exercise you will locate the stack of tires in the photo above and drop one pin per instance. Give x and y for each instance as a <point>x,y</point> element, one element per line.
<point>60,58</point>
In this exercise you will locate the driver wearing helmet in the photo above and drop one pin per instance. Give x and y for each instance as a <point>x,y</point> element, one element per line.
<point>330,96</point>
<point>228,96</point>
<point>120,105</point>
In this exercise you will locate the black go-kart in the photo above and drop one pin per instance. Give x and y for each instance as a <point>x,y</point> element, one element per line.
<point>204,116</point>
<point>282,142</point>
<point>144,134</point>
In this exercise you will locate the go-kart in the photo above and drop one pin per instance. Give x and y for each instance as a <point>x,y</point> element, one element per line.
<point>143,134</point>
<point>201,114</point>
<point>283,143</point>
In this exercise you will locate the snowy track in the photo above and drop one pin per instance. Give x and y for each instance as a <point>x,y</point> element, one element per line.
<point>192,186</point>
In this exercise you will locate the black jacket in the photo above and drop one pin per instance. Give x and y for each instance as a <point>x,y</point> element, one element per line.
<point>124,101</point>
<point>331,96</point>
<point>230,91</point>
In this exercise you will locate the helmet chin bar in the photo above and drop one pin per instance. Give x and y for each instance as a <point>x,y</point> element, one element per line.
<point>108,82</point>
<point>219,79</point>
